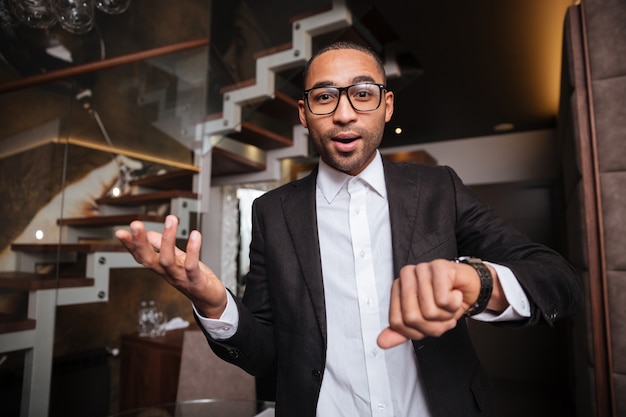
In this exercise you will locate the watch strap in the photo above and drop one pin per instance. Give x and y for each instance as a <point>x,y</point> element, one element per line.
<point>486,284</point>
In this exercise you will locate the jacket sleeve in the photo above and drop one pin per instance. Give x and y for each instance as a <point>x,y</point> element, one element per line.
<point>550,282</point>
<point>252,348</point>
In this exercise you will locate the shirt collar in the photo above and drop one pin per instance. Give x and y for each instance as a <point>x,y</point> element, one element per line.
<point>330,181</point>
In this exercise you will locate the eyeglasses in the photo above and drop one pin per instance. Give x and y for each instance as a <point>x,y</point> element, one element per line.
<point>363,97</point>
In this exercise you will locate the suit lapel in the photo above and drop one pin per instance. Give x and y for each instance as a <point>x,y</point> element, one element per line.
<point>403,195</point>
<point>300,216</point>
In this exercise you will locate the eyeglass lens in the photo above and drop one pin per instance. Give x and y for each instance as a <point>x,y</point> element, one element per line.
<point>363,97</point>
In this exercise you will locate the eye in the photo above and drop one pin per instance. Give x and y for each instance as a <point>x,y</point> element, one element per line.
<point>363,92</point>
<point>324,95</point>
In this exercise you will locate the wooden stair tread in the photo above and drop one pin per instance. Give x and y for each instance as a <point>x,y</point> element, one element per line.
<point>273,50</point>
<point>237,85</point>
<point>113,220</point>
<point>318,10</point>
<point>181,179</point>
<point>30,281</point>
<point>225,163</point>
<point>282,107</point>
<point>146,198</point>
<point>67,247</point>
<point>260,137</point>
<point>10,323</point>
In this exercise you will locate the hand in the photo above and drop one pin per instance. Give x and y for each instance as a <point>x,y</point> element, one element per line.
<point>183,271</point>
<point>429,298</point>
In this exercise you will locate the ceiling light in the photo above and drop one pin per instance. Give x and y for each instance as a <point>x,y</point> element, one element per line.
<point>504,127</point>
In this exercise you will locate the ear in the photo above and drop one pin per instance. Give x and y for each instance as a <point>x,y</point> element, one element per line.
<point>388,105</point>
<point>302,113</point>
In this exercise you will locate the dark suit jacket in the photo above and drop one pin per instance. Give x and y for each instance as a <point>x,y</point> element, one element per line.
<point>433,215</point>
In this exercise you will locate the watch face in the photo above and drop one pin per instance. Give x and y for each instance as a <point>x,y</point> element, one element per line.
<point>469,260</point>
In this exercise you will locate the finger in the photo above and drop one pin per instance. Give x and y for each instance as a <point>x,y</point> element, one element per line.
<point>192,260</point>
<point>136,242</point>
<point>447,299</point>
<point>401,318</point>
<point>124,236</point>
<point>389,338</point>
<point>168,243</point>
<point>412,322</point>
<point>155,239</point>
<point>428,308</point>
<point>409,294</point>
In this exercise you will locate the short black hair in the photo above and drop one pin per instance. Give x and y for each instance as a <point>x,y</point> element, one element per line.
<point>339,45</point>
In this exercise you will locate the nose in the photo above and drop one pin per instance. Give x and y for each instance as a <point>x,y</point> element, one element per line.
<point>344,113</point>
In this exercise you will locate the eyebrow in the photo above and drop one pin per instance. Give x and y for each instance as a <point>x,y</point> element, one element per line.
<point>355,80</point>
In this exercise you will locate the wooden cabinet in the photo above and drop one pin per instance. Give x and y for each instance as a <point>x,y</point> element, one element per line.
<point>149,369</point>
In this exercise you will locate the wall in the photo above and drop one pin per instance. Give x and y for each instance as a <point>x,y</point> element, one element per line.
<point>526,156</point>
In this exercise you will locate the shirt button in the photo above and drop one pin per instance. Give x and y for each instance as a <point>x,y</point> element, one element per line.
<point>369,301</point>
<point>374,352</point>
<point>357,210</point>
<point>362,253</point>
<point>225,328</point>
<point>317,375</point>
<point>381,405</point>
<point>233,354</point>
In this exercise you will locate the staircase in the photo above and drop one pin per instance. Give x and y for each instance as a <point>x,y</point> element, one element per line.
<point>243,140</point>
<point>82,265</point>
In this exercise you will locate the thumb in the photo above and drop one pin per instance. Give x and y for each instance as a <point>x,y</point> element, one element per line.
<point>389,338</point>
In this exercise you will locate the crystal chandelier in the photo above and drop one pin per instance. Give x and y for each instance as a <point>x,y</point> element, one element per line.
<point>75,16</point>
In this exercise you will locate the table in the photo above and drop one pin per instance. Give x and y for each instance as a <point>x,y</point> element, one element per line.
<point>205,408</point>
<point>149,369</point>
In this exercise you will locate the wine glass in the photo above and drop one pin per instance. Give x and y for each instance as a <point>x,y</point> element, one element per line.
<point>75,16</point>
<point>34,13</point>
<point>113,6</point>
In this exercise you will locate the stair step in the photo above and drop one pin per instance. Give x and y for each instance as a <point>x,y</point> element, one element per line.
<point>273,50</point>
<point>225,163</point>
<point>30,281</point>
<point>260,137</point>
<point>67,247</point>
<point>237,85</point>
<point>114,220</point>
<point>146,198</point>
<point>10,323</point>
<point>314,12</point>
<point>282,107</point>
<point>181,179</point>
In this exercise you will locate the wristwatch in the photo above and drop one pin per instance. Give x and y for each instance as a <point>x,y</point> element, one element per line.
<point>486,284</point>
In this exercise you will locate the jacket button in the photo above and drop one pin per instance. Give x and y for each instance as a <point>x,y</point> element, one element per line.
<point>317,375</point>
<point>233,354</point>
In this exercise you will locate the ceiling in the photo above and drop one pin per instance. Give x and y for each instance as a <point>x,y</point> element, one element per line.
<point>486,63</point>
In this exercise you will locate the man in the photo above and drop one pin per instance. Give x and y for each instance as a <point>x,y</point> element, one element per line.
<point>321,306</point>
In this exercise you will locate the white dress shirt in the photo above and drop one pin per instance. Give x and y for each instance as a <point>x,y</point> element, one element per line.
<point>361,379</point>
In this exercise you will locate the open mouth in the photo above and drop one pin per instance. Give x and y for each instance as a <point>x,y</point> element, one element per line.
<point>346,143</point>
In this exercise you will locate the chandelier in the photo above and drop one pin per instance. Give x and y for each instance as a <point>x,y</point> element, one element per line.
<point>74,16</point>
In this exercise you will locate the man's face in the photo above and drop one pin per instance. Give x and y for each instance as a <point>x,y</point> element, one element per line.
<point>346,139</point>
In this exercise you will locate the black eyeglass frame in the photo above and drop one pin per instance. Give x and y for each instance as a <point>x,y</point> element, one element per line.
<point>381,87</point>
